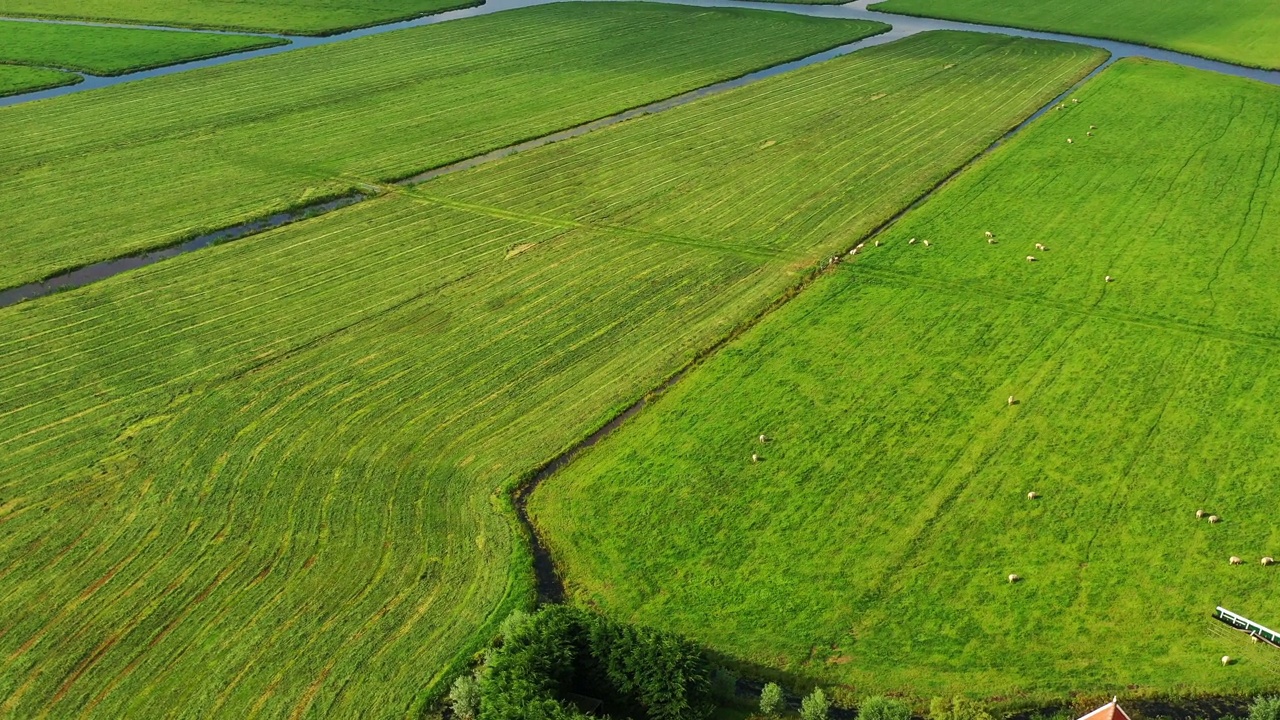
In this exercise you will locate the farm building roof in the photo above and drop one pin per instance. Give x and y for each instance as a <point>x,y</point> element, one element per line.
<point>1110,711</point>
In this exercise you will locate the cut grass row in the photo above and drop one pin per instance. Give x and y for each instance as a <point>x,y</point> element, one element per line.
<point>127,168</point>
<point>16,79</point>
<point>871,546</point>
<point>295,17</point>
<point>1246,32</point>
<point>270,477</point>
<point>114,51</point>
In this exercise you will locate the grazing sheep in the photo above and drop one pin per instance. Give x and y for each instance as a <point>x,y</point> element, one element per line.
<point>1268,560</point>
<point>859,246</point>
<point>1075,101</point>
<point>755,457</point>
<point>991,241</point>
<point>1013,400</point>
<point>877,243</point>
<point>1031,258</point>
<point>1226,660</point>
<point>926,243</point>
<point>1070,141</point>
<point>1089,134</point>
<point>763,438</point>
<point>1215,519</point>
<point>1093,127</point>
<point>912,241</point>
<point>1236,561</point>
<point>1033,495</point>
<point>989,235</point>
<point>1199,514</point>
<point>1110,279</point>
<point>1040,246</point>
<point>853,251</point>
<point>1013,578</point>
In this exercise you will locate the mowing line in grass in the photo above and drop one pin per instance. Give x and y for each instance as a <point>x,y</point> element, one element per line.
<point>129,168</point>
<point>914,399</point>
<point>272,477</point>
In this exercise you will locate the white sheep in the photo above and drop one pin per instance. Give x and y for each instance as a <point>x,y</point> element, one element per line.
<point>1040,246</point>
<point>1013,578</point>
<point>991,241</point>
<point>989,235</point>
<point>1093,127</point>
<point>755,457</point>
<point>1070,141</point>
<point>912,241</point>
<point>1031,258</point>
<point>1089,134</point>
<point>1235,560</point>
<point>1215,519</point>
<point>1268,560</point>
<point>877,243</point>
<point>1110,279</point>
<point>1075,101</point>
<point>1013,400</point>
<point>926,243</point>
<point>1199,514</point>
<point>1226,660</point>
<point>1033,495</point>
<point>763,438</point>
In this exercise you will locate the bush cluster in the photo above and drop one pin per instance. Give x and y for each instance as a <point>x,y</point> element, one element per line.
<point>548,659</point>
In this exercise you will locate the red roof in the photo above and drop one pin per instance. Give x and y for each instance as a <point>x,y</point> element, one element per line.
<point>1110,711</point>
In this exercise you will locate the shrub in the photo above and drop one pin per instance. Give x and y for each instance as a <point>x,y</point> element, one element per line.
<point>771,701</point>
<point>880,707</point>
<point>514,623</point>
<point>1265,708</point>
<point>815,706</point>
<point>464,697</point>
<point>960,708</point>
<point>724,685</point>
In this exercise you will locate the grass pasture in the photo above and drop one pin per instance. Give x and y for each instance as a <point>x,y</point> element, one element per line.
<point>295,17</point>
<point>870,546</point>
<point>1246,32</point>
<point>269,478</point>
<point>113,51</point>
<point>281,131</point>
<point>15,79</point>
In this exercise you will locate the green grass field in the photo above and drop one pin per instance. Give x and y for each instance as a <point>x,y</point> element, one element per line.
<point>15,79</point>
<point>113,51</point>
<point>285,130</point>
<point>1245,32</point>
<point>297,17</point>
<point>870,546</point>
<point>269,478</point>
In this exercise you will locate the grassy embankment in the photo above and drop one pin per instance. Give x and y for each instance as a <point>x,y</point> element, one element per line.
<point>103,174</point>
<point>871,546</point>
<point>294,17</point>
<point>15,79</point>
<point>1246,32</point>
<point>271,476</point>
<point>113,51</point>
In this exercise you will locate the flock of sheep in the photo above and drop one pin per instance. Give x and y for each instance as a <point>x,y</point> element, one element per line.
<point>1234,560</point>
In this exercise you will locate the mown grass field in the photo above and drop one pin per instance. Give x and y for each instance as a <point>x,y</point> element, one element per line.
<point>16,79</point>
<point>270,477</point>
<point>113,51</point>
<point>1246,32</point>
<point>870,546</point>
<point>297,17</point>
<point>285,130</point>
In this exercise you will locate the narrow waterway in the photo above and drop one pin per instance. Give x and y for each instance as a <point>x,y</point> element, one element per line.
<point>903,26</point>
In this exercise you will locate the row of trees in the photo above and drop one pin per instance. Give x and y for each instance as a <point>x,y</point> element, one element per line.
<point>561,663</point>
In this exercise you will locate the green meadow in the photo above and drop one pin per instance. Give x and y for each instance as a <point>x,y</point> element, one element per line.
<point>113,51</point>
<point>107,173</point>
<point>1246,32</point>
<point>870,546</point>
<point>15,79</point>
<point>271,478</point>
<point>296,17</point>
